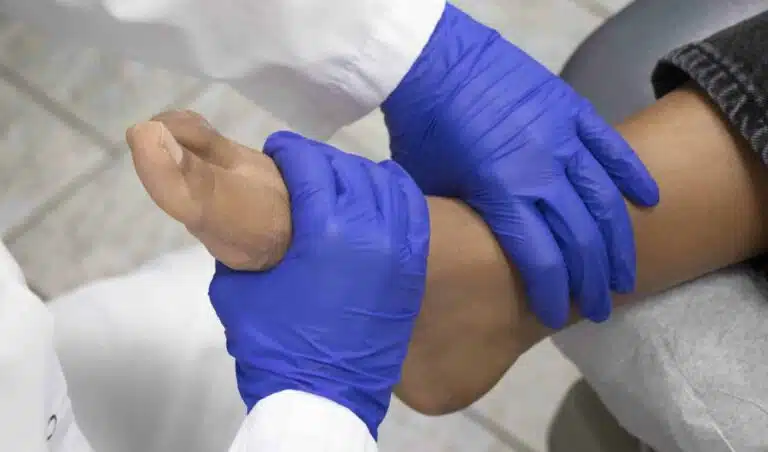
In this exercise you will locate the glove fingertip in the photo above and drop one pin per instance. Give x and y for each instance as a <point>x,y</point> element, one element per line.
<point>641,189</point>
<point>638,185</point>
<point>650,196</point>
<point>645,198</point>
<point>619,159</point>
<point>602,311</point>
<point>552,320</point>
<point>552,314</point>
<point>623,282</point>
<point>600,315</point>
<point>393,167</point>
<point>278,141</point>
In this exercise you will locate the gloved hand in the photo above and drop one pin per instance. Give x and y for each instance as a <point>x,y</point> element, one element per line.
<point>478,119</point>
<point>335,317</point>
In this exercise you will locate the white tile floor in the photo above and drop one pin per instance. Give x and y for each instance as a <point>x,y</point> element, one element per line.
<point>72,210</point>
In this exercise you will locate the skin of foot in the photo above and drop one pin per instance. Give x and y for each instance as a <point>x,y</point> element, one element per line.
<point>228,196</point>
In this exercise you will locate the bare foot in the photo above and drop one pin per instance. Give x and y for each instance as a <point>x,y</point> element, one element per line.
<point>204,180</point>
<point>233,199</point>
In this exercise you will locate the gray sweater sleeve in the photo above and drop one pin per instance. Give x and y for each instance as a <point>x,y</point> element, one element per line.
<point>732,67</point>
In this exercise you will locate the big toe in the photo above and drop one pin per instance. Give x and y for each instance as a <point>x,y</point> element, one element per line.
<point>161,163</point>
<point>230,197</point>
<point>197,135</point>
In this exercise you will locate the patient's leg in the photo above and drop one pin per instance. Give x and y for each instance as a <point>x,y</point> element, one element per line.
<point>474,323</point>
<point>685,370</point>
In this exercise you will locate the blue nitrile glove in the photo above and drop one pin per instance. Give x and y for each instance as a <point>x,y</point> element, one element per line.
<point>334,318</point>
<point>478,119</point>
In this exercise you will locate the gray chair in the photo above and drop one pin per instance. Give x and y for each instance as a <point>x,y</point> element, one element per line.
<point>612,67</point>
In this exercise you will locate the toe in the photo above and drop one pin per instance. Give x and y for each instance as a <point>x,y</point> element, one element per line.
<point>196,134</point>
<point>160,164</point>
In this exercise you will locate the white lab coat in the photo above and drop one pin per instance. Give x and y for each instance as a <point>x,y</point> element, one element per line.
<point>133,344</point>
<point>317,64</point>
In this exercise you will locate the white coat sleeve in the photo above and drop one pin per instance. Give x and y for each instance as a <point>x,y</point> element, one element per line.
<point>293,421</point>
<point>317,64</point>
<point>35,410</point>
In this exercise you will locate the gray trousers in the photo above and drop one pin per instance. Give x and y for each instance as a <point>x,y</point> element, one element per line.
<point>686,370</point>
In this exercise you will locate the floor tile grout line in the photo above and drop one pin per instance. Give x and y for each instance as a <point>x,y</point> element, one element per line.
<point>188,96</point>
<point>497,431</point>
<point>55,108</point>
<point>71,119</point>
<point>79,182</point>
<point>113,151</point>
<point>595,8</point>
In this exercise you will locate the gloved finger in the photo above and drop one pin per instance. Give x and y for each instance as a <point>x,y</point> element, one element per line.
<point>607,207</point>
<point>416,212</point>
<point>526,238</point>
<point>619,160</point>
<point>583,250</point>
<point>353,182</point>
<point>308,175</point>
<point>388,199</point>
<point>226,293</point>
<point>220,290</point>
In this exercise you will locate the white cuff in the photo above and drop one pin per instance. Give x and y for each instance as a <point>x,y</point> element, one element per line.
<point>293,421</point>
<point>345,67</point>
<point>61,432</point>
<point>398,33</point>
